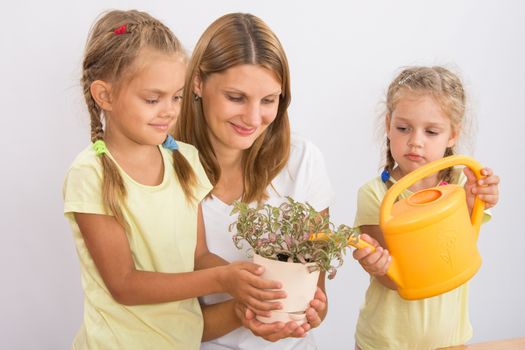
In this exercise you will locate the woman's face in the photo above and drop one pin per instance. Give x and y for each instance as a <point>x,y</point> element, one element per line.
<point>238,105</point>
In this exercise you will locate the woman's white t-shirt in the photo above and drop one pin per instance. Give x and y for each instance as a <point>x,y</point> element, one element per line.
<point>305,179</point>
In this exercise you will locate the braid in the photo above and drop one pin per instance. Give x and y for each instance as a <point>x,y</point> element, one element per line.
<point>97,130</point>
<point>390,162</point>
<point>185,174</point>
<point>113,189</point>
<point>446,174</point>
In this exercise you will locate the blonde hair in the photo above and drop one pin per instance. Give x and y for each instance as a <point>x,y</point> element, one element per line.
<point>113,44</point>
<point>232,40</point>
<point>444,86</point>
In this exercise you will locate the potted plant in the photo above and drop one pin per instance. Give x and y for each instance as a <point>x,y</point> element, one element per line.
<point>283,240</point>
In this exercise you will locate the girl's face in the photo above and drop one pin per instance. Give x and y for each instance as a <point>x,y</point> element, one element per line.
<point>238,105</point>
<point>419,132</point>
<point>146,107</point>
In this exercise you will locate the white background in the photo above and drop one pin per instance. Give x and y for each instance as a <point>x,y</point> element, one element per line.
<point>342,57</point>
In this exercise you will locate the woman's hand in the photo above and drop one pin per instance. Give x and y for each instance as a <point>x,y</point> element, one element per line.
<point>486,188</point>
<point>279,330</point>
<point>270,331</point>
<point>374,262</point>
<point>317,308</point>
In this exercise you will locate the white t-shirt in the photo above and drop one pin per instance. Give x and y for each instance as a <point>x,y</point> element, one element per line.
<point>305,179</point>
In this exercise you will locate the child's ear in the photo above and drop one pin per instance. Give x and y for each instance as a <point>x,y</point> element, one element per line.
<point>453,137</point>
<point>197,85</point>
<point>101,92</point>
<point>387,124</point>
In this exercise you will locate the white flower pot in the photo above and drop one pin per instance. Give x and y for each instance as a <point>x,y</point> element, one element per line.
<point>298,283</point>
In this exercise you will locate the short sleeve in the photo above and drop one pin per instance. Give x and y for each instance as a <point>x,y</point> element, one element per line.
<point>82,191</point>
<point>203,186</point>
<point>320,193</point>
<point>368,206</point>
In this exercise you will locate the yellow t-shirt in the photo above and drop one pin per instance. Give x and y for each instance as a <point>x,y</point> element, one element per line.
<point>162,238</point>
<point>386,321</point>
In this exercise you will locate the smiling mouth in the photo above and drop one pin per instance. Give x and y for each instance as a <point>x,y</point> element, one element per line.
<point>161,127</point>
<point>243,131</point>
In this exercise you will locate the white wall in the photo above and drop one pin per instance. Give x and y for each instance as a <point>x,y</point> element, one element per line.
<point>342,56</point>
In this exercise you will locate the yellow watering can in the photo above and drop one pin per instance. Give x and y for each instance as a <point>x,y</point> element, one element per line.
<point>430,235</point>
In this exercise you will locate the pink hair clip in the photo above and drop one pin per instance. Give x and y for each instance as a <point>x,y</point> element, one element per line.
<point>121,30</point>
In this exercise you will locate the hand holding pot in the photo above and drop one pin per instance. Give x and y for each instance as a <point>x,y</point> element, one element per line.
<point>273,331</point>
<point>242,281</point>
<point>317,310</point>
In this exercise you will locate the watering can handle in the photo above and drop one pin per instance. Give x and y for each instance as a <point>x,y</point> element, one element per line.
<point>427,170</point>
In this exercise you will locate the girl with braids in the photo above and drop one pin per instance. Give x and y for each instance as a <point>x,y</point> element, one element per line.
<point>234,111</point>
<point>425,108</point>
<point>132,199</point>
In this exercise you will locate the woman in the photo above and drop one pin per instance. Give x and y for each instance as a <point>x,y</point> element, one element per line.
<point>234,111</point>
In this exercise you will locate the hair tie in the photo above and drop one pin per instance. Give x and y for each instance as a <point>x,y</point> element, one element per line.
<point>121,30</point>
<point>100,147</point>
<point>385,175</point>
<point>170,143</point>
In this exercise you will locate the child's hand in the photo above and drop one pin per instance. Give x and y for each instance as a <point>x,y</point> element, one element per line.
<point>317,307</point>
<point>242,281</point>
<point>487,188</point>
<point>375,263</point>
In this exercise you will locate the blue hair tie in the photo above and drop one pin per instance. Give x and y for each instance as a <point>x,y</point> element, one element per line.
<point>385,175</point>
<point>170,143</point>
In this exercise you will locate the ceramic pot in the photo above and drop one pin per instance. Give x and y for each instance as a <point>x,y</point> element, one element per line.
<point>298,283</point>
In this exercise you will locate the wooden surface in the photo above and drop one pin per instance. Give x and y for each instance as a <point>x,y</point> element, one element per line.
<point>508,344</point>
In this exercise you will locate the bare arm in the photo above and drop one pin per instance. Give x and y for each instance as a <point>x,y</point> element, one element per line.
<point>108,245</point>
<point>219,319</point>
<point>203,257</point>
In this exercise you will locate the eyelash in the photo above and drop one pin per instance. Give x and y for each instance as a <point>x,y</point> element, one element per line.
<point>241,99</point>
<point>404,129</point>
<point>177,98</point>
<point>235,98</point>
